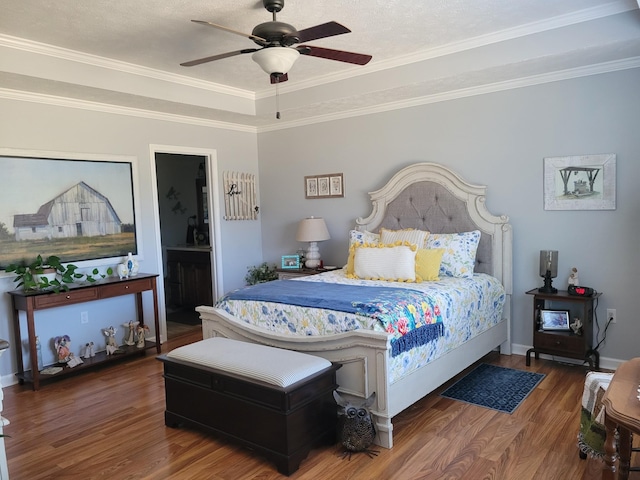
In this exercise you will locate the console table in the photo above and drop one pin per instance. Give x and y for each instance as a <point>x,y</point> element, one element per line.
<point>30,302</point>
<point>621,410</point>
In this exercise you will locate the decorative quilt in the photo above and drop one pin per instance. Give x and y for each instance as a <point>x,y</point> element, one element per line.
<point>410,316</point>
<point>592,432</point>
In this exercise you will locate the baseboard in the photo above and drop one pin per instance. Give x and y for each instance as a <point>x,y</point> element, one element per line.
<point>606,363</point>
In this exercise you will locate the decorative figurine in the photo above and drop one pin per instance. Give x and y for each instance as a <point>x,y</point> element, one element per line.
<point>122,270</point>
<point>141,339</point>
<point>573,277</point>
<point>130,340</point>
<point>112,345</point>
<point>576,326</point>
<point>89,350</point>
<point>63,345</point>
<point>356,428</point>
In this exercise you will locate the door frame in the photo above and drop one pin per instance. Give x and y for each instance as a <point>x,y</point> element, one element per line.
<point>213,205</point>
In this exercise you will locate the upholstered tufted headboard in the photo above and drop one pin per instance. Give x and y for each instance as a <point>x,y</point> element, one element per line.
<point>431,197</point>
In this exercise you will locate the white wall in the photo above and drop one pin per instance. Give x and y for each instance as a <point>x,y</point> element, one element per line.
<point>498,140</point>
<point>26,125</point>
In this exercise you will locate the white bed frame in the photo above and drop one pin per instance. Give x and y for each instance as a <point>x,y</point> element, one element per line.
<point>365,355</point>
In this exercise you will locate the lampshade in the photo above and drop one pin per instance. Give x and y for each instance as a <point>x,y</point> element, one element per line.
<point>276,59</point>
<point>548,270</point>
<point>312,229</point>
<point>549,263</point>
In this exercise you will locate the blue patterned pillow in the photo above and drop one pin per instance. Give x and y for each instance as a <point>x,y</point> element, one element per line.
<point>460,249</point>
<point>358,237</point>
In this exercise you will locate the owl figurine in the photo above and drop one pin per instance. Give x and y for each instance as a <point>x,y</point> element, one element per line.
<point>355,426</point>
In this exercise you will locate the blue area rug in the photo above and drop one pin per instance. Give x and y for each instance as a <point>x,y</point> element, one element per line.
<point>498,388</point>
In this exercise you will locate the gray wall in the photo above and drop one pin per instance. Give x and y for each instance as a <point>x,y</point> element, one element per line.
<point>27,125</point>
<point>498,140</point>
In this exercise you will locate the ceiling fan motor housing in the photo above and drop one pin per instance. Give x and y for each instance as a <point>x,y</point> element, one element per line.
<point>276,33</point>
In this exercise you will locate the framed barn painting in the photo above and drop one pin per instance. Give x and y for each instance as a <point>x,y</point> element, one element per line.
<point>79,207</point>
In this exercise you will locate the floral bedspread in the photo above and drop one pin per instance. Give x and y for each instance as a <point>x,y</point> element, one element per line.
<point>468,306</point>
<point>412,317</point>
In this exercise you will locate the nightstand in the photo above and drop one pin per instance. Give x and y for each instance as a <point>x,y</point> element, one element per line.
<point>289,273</point>
<point>564,343</point>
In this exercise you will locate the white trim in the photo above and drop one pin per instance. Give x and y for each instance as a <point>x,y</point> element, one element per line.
<point>116,65</point>
<point>533,80</point>
<point>606,363</point>
<point>215,236</point>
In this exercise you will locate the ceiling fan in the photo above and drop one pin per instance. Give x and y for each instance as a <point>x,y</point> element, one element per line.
<point>279,44</point>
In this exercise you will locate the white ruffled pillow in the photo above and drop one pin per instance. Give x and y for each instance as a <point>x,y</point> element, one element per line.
<point>460,249</point>
<point>394,263</point>
<point>411,235</point>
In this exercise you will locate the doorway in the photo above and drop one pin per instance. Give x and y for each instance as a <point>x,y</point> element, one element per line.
<point>185,233</point>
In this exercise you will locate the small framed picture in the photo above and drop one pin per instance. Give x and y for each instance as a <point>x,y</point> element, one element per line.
<point>291,262</point>
<point>329,185</point>
<point>554,320</point>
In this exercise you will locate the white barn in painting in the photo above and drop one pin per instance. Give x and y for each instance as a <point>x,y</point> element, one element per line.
<point>80,211</point>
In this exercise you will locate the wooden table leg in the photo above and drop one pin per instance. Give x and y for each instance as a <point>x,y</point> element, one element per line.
<point>625,452</point>
<point>609,449</point>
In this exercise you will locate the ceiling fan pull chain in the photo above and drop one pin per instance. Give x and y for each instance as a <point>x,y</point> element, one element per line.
<point>278,100</point>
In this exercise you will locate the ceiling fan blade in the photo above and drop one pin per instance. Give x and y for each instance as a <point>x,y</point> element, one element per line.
<point>230,30</point>
<point>218,57</point>
<point>328,29</point>
<point>339,55</point>
<point>279,79</point>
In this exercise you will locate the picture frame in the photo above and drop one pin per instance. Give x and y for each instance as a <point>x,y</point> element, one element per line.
<point>290,262</point>
<point>585,182</point>
<point>555,320</point>
<point>328,185</point>
<point>73,197</point>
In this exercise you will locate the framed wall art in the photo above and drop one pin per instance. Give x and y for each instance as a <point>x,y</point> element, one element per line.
<point>75,206</point>
<point>329,185</point>
<point>586,182</point>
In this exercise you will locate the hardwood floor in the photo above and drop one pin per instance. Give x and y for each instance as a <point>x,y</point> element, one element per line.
<point>109,423</point>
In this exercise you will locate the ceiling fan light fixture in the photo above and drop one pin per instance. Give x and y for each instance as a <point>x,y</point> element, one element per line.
<point>276,59</point>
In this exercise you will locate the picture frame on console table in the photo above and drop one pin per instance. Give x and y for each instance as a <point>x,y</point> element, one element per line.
<point>77,206</point>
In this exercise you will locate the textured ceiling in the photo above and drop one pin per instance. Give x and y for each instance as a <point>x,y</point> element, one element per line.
<point>94,51</point>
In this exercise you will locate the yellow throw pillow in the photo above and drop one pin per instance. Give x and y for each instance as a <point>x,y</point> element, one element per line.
<point>428,263</point>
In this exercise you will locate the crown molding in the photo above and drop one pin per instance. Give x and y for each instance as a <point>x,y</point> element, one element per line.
<point>120,110</point>
<point>116,65</point>
<point>597,69</point>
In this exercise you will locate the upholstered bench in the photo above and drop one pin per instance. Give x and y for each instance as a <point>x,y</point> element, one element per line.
<point>274,401</point>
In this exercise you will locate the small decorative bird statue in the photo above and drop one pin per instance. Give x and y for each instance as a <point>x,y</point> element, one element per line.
<point>355,427</point>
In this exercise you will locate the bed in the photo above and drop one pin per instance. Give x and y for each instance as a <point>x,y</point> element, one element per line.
<point>424,197</point>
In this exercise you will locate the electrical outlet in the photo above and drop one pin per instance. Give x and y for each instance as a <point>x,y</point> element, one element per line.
<point>84,317</point>
<point>611,315</point>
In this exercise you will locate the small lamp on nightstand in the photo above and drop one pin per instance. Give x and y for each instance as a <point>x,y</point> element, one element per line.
<point>312,230</point>
<point>548,269</point>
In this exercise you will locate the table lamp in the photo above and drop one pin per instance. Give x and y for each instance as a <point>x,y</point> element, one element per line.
<point>312,230</point>
<point>548,269</point>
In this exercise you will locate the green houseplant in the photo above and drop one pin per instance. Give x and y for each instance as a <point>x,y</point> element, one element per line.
<point>264,272</point>
<point>44,273</point>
